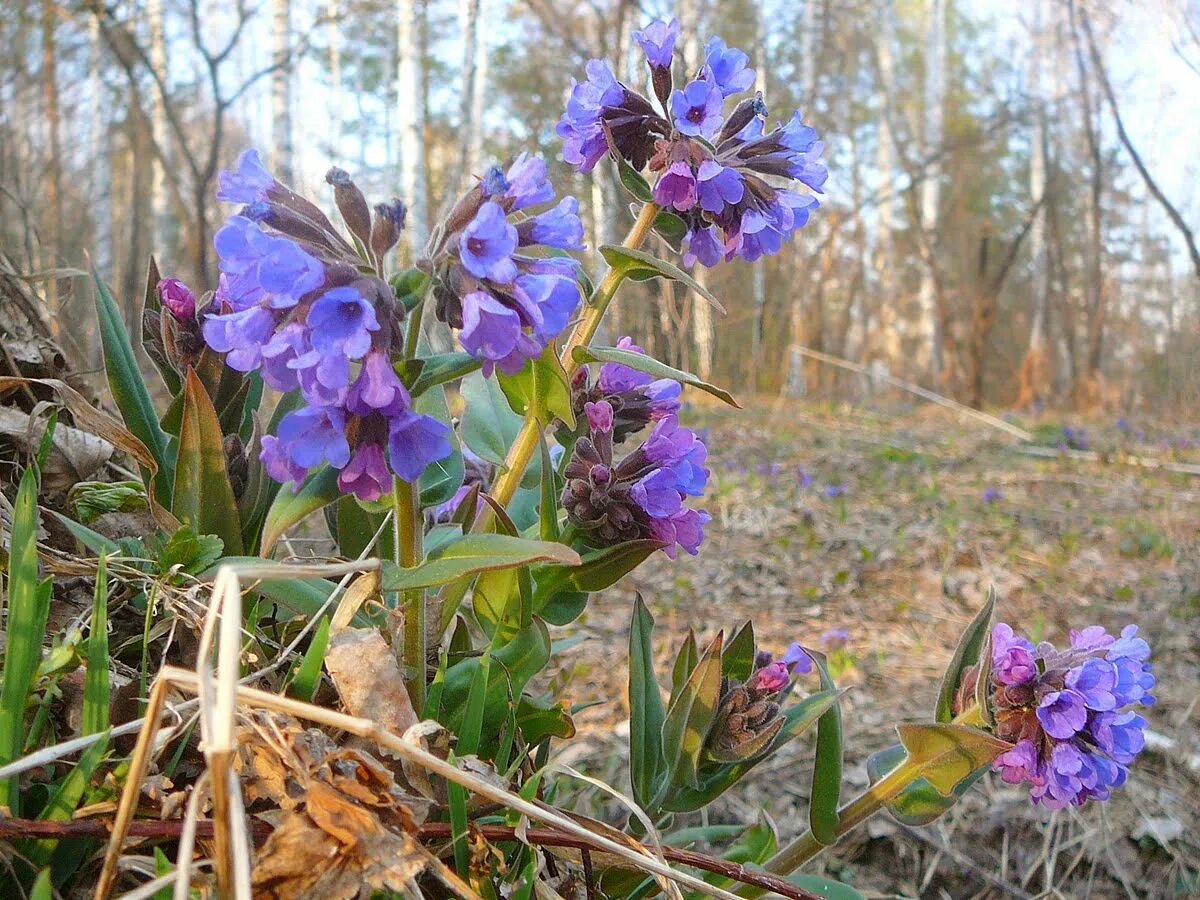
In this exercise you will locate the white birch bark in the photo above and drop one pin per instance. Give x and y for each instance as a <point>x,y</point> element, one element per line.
<point>336,119</point>
<point>410,89</point>
<point>159,211</point>
<point>1037,183</point>
<point>470,99</point>
<point>926,327</point>
<point>887,330</point>
<point>282,146</point>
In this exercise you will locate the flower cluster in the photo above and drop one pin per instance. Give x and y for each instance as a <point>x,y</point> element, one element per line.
<point>771,674</point>
<point>636,399</point>
<point>731,180</point>
<point>296,302</point>
<point>748,717</point>
<point>1066,711</point>
<point>492,277</point>
<point>643,495</point>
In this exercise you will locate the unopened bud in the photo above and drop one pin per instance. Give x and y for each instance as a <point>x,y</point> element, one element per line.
<point>387,225</point>
<point>177,298</point>
<point>350,203</point>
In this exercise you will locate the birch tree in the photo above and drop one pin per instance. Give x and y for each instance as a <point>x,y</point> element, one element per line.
<point>887,330</point>
<point>410,89</point>
<point>160,212</point>
<point>690,18</point>
<point>282,146</point>
<point>100,157</point>
<point>926,324</point>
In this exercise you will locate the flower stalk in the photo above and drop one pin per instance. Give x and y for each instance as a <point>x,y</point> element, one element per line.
<point>526,442</point>
<point>409,533</point>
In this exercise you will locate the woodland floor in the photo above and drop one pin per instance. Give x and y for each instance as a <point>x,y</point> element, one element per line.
<point>902,561</point>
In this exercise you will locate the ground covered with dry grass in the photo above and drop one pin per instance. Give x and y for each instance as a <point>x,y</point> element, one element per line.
<point>893,527</point>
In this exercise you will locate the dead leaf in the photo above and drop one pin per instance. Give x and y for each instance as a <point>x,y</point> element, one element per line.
<point>368,679</point>
<point>75,455</point>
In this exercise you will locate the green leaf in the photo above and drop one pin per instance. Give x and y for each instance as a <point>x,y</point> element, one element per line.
<point>548,498</point>
<point>690,718</point>
<point>670,228</point>
<point>66,797</point>
<point>191,552</point>
<point>541,719</point>
<point>442,368</point>
<point>318,491</point>
<point>96,679</point>
<point>827,766</point>
<point>651,366</point>
<point>642,266</point>
<point>28,609</point>
<point>444,476</point>
<point>496,600</point>
<point>543,383</point>
<point>356,527</point>
<point>129,389</point>
<point>633,180</point>
<point>597,570</point>
<point>203,497</point>
<point>919,803</point>
<point>472,554</point>
<point>91,540</point>
<point>944,755</point>
<point>824,887</point>
<point>308,674</point>
<point>409,287</point>
<point>685,661</point>
<point>738,660</point>
<point>966,654</point>
<point>646,713</point>
<point>42,888</point>
<point>488,426</point>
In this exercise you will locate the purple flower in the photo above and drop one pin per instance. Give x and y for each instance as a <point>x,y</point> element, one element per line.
<point>1121,735</point>
<point>1095,680</point>
<point>664,398</point>
<point>240,335</point>
<point>992,494</point>
<point>583,136</point>
<point>341,322</point>
<point>676,187</point>
<point>378,387</point>
<point>617,377</point>
<point>836,490</point>
<point>554,297</point>
<point>314,435</point>
<point>178,298</point>
<point>287,345</point>
<point>684,529</point>
<point>487,244</point>
<point>415,441</point>
<point>696,109</point>
<point>492,331</point>
<point>278,462</point>
<point>797,659</point>
<point>719,186</point>
<point>658,494</point>
<point>366,476</point>
<point>1019,764</point>
<point>1062,713</point>
<point>559,227</point>
<point>249,182</point>
<point>657,41</point>
<point>703,245</point>
<point>527,184</point>
<point>727,67</point>
<point>599,416</point>
<point>1012,656</point>
<point>835,638</point>
<point>286,273</point>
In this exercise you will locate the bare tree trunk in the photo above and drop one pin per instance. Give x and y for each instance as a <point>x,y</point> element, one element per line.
<point>336,88</point>
<point>410,87</point>
<point>887,330</point>
<point>283,158</point>
<point>470,106</point>
<point>927,326</point>
<point>159,208</point>
<point>795,382</point>
<point>479,90</point>
<point>99,153</point>
<point>758,283</point>
<point>52,240</point>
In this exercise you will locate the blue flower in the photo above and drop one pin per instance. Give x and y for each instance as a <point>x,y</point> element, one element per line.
<point>676,187</point>
<point>583,136</point>
<point>249,182</point>
<point>493,332</point>
<point>366,476</point>
<point>719,186</point>
<point>727,67</point>
<point>559,227</point>
<point>657,41</point>
<point>316,434</point>
<point>240,335</point>
<point>527,182</point>
<point>341,322</point>
<point>487,244</point>
<point>703,244</point>
<point>415,441</point>
<point>378,387</point>
<point>696,109</point>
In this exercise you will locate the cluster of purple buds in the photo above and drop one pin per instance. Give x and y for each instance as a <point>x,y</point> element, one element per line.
<point>643,495</point>
<point>636,399</point>
<point>748,717</point>
<point>495,277</point>
<point>733,182</point>
<point>1067,711</point>
<point>172,332</point>
<point>297,302</point>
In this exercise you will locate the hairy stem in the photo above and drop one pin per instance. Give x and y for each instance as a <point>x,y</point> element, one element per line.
<point>409,533</point>
<point>526,442</point>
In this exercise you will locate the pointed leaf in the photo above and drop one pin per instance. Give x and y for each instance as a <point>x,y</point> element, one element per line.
<point>203,497</point>
<point>475,553</point>
<point>646,713</point>
<point>642,266</point>
<point>488,426</point>
<point>738,660</point>
<point>543,384</point>
<point>947,754</point>
<point>690,718</point>
<point>442,368</point>
<point>128,387</point>
<point>685,661</point>
<point>919,803</point>
<point>827,766</point>
<point>633,180</point>
<point>548,500</point>
<point>651,366</point>
<point>966,654</point>
<point>597,570</point>
<point>96,679</point>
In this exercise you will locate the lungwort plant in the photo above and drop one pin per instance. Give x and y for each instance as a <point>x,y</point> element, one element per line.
<point>306,383</point>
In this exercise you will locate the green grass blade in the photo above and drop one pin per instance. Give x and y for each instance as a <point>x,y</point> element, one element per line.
<point>28,607</point>
<point>308,675</point>
<point>96,681</point>
<point>66,797</point>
